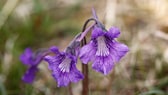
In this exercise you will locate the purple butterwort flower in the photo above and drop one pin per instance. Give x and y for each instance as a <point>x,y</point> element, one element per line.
<point>63,67</point>
<point>103,50</point>
<point>31,60</point>
<point>30,74</point>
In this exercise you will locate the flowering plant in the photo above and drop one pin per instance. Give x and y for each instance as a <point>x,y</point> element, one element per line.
<point>103,50</point>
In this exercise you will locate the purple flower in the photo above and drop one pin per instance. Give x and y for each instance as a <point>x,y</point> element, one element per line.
<point>103,50</point>
<point>63,67</point>
<point>31,60</point>
<point>30,74</point>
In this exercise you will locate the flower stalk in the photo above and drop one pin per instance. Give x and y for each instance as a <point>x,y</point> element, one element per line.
<point>85,82</point>
<point>70,89</point>
<point>85,70</point>
<point>85,31</point>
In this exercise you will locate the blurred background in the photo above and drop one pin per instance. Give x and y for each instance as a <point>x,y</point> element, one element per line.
<point>41,24</point>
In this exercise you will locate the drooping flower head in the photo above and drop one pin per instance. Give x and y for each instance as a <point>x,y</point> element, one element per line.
<point>31,60</point>
<point>103,50</point>
<point>63,66</point>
